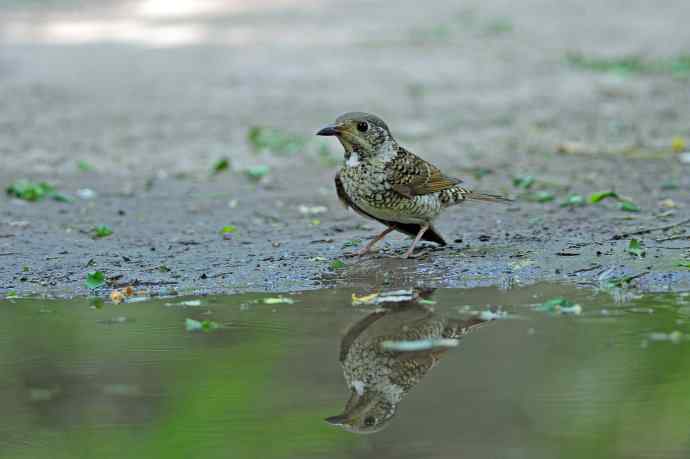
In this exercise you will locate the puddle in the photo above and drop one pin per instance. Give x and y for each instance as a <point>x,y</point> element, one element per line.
<point>257,379</point>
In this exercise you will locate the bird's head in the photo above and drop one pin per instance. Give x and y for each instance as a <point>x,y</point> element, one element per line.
<point>360,133</point>
<point>365,413</point>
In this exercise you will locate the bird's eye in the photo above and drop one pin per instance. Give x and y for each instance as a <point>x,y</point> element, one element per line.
<point>362,126</point>
<point>369,421</point>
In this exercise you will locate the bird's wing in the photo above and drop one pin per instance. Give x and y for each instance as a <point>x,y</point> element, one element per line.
<point>411,176</point>
<point>355,330</point>
<point>344,198</point>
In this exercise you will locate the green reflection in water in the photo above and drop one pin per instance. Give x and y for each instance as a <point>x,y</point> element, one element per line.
<point>74,383</point>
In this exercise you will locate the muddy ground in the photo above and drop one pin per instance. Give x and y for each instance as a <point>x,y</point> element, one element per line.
<point>137,104</point>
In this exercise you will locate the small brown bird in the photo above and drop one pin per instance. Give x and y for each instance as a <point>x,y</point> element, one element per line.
<point>387,353</point>
<point>383,181</point>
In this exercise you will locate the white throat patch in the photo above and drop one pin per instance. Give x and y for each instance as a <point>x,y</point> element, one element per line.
<point>358,386</point>
<point>353,160</point>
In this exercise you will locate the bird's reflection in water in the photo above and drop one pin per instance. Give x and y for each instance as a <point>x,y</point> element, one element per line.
<point>388,352</point>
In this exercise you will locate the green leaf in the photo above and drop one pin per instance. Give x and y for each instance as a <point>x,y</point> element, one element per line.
<point>574,200</point>
<point>221,165</point>
<point>96,302</point>
<point>228,229</point>
<point>628,206</point>
<point>424,301</point>
<point>337,264</point>
<point>621,282</point>
<point>635,248</point>
<point>26,190</point>
<point>523,182</point>
<point>278,300</point>
<point>95,279</point>
<point>102,231</point>
<point>257,172</point>
<point>541,196</point>
<point>480,172</point>
<point>560,305</point>
<point>192,325</point>
<point>600,196</point>
<point>275,141</point>
<point>60,197</point>
<point>84,166</point>
<point>669,185</point>
<point>32,191</point>
<point>684,264</point>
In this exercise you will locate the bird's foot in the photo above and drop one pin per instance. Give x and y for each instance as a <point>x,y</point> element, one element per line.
<point>410,254</point>
<point>360,253</point>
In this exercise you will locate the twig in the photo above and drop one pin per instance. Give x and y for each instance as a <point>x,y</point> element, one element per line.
<point>649,230</point>
<point>668,248</point>
<point>673,238</point>
<point>4,254</point>
<point>584,270</point>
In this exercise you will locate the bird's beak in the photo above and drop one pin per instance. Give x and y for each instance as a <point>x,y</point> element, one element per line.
<point>338,420</point>
<point>331,129</point>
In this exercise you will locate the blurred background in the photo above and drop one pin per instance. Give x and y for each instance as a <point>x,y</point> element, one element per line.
<point>140,86</point>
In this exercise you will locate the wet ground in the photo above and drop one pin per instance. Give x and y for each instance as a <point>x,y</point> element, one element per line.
<point>127,106</point>
<point>604,380</point>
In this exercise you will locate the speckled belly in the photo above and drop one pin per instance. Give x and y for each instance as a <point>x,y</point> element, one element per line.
<point>370,191</point>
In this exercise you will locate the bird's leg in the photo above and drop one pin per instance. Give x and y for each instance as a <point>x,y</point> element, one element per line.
<point>421,232</point>
<point>364,250</point>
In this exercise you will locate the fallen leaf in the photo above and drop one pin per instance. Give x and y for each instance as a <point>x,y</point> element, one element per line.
<point>275,140</point>
<point>364,299</point>
<point>601,195</point>
<point>419,345</point>
<point>561,306</point>
<point>668,203</point>
<point>574,200</point>
<point>635,248</point>
<point>192,325</point>
<point>257,172</point>
<point>95,279</point>
<point>278,300</point>
<point>523,182</point>
<point>221,165</point>
<point>86,193</point>
<point>678,145</point>
<point>84,166</point>
<point>312,210</point>
<point>102,231</point>
<point>117,297</point>
<point>541,196</point>
<point>32,191</point>
<point>628,206</point>
<point>337,264</point>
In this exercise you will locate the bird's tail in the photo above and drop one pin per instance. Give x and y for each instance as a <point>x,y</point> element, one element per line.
<point>475,196</point>
<point>457,194</point>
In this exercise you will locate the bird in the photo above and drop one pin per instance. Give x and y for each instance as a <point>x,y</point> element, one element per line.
<point>385,182</point>
<point>378,378</point>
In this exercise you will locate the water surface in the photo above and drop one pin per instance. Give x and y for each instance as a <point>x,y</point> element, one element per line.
<point>130,381</point>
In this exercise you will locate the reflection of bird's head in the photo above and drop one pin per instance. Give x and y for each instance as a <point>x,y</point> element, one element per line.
<point>366,412</point>
<point>360,132</point>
